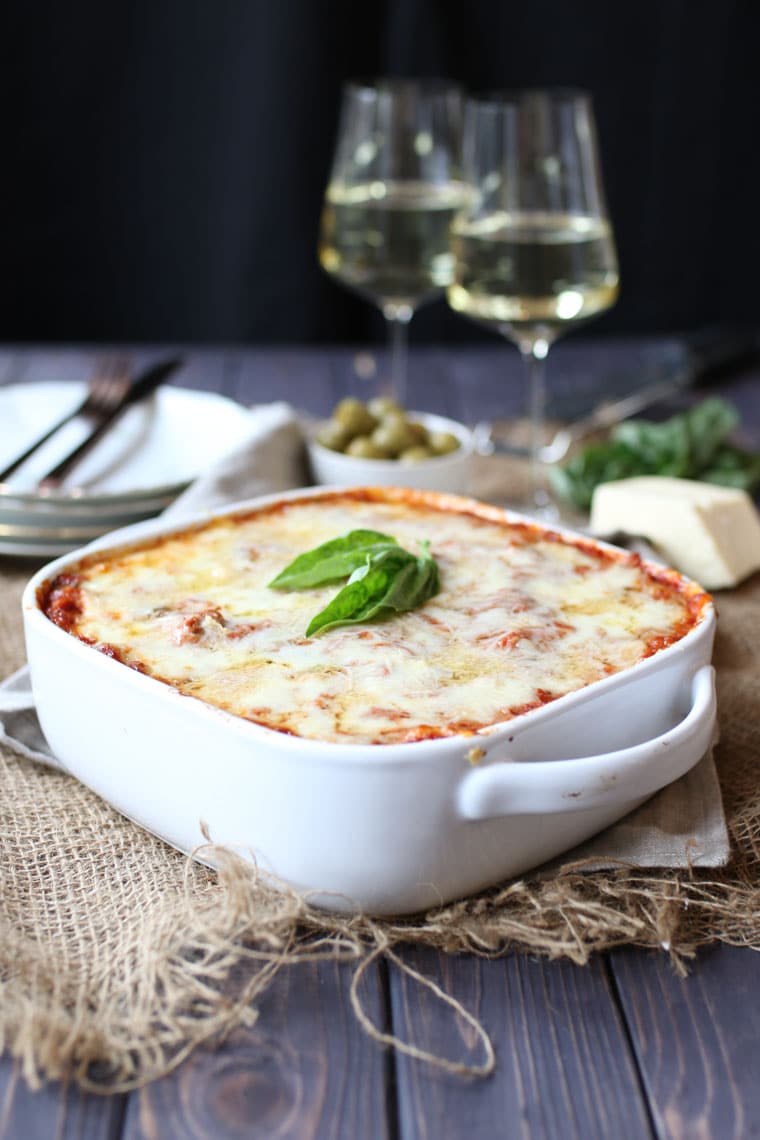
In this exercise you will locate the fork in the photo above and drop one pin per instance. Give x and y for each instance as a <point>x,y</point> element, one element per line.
<point>116,400</point>
<point>105,390</point>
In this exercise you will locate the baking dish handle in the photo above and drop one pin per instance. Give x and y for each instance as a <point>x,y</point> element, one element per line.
<point>611,779</point>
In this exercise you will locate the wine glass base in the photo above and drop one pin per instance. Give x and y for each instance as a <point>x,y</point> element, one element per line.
<point>506,483</point>
<point>547,512</point>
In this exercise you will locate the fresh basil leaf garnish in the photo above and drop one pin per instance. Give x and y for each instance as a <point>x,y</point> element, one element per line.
<point>367,591</point>
<point>426,583</point>
<point>733,467</point>
<point>383,578</point>
<point>690,445</point>
<point>390,581</point>
<point>332,560</point>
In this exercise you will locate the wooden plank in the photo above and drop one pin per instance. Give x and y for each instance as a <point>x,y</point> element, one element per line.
<point>359,372</point>
<point>204,368</point>
<point>305,379</point>
<point>20,365</point>
<point>315,380</point>
<point>55,1111</point>
<point>697,1039</point>
<point>431,385</point>
<point>304,1070</point>
<point>489,382</point>
<point>564,1069</point>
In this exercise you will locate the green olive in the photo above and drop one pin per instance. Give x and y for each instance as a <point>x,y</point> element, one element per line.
<point>442,442</point>
<point>415,454</point>
<point>419,431</point>
<point>393,435</point>
<point>363,447</point>
<point>381,406</point>
<point>381,429</point>
<point>333,435</point>
<point>354,416</point>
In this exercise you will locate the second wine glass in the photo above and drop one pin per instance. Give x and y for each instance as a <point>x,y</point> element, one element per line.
<point>534,248</point>
<point>394,188</point>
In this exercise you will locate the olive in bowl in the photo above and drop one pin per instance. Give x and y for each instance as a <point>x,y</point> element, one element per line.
<point>381,443</point>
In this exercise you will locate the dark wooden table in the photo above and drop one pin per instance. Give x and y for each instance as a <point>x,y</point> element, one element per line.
<point>620,1048</point>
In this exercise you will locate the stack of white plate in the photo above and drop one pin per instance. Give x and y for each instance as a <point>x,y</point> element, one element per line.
<point>136,470</point>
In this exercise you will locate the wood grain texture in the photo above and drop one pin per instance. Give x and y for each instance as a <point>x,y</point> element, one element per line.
<point>203,369</point>
<point>55,1112</point>
<point>567,1052</point>
<point>305,1070</point>
<point>430,385</point>
<point>307,380</point>
<point>697,1040</point>
<point>314,380</point>
<point>564,1068</point>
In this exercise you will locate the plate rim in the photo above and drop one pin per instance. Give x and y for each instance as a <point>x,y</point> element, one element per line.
<point>79,496</point>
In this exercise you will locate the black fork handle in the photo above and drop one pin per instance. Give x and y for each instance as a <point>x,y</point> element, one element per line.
<point>142,387</point>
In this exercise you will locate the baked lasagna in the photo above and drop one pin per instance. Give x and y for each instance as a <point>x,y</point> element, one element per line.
<point>524,615</point>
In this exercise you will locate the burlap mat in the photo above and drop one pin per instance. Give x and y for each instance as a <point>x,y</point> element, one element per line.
<point>118,955</point>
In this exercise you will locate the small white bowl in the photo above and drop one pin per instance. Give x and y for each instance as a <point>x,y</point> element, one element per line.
<point>450,472</point>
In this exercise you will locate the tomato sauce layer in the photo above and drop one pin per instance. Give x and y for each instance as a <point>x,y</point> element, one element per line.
<point>524,616</point>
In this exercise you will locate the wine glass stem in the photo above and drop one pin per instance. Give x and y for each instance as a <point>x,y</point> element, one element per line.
<point>398,318</point>
<point>534,357</point>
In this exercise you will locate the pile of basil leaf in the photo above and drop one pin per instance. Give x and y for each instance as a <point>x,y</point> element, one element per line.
<point>691,445</point>
<point>382,578</point>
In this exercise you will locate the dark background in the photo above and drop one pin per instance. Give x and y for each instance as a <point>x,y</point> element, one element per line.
<point>164,160</point>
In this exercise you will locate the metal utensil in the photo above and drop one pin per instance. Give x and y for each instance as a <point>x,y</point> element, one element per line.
<point>116,401</point>
<point>106,385</point>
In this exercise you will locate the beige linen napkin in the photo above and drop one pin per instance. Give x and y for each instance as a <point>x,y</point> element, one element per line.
<point>681,826</point>
<point>684,825</point>
<point>271,458</point>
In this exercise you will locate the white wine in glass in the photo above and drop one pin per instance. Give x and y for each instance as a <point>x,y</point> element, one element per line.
<point>394,189</point>
<point>533,244</point>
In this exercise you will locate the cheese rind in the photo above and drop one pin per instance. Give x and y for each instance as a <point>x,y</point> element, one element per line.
<point>709,533</point>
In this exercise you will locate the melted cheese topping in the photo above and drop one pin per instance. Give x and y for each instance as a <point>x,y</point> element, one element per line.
<point>522,618</point>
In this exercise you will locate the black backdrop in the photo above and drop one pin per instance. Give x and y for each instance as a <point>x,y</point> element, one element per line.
<point>164,160</point>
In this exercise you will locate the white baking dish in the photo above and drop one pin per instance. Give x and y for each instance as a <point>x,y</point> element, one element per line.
<point>381,828</point>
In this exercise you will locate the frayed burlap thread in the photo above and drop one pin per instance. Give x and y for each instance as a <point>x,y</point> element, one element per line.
<point>118,955</point>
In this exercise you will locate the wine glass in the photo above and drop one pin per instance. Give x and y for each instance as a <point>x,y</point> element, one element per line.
<point>394,188</point>
<point>533,244</point>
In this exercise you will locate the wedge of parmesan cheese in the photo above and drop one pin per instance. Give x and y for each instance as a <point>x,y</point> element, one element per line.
<point>709,533</point>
